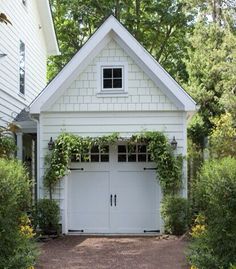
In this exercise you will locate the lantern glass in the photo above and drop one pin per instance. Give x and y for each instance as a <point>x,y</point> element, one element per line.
<point>173,143</point>
<point>51,144</point>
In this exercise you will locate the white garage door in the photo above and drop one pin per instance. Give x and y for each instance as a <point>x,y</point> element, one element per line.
<point>114,191</point>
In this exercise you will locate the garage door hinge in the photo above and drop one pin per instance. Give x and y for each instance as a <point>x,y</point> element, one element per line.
<point>75,231</point>
<point>151,231</point>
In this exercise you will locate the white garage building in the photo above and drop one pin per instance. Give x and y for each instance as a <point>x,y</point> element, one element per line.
<point>111,85</point>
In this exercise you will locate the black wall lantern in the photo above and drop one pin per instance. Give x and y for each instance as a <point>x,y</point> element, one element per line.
<point>174,143</point>
<point>51,144</point>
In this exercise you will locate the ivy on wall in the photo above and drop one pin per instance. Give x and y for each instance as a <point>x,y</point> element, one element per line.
<point>168,166</point>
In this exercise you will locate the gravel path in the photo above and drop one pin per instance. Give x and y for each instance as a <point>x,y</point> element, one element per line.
<point>81,252</point>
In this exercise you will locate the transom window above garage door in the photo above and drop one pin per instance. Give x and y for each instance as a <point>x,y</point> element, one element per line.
<point>93,155</point>
<point>133,153</point>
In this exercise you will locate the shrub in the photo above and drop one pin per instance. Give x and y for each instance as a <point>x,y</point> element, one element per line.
<point>174,211</point>
<point>17,249</point>
<point>7,141</point>
<point>215,198</point>
<point>7,146</point>
<point>48,216</point>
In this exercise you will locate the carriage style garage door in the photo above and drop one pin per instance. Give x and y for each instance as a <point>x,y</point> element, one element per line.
<point>114,190</point>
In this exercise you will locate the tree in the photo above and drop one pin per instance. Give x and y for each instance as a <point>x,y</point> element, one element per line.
<point>160,26</point>
<point>223,137</point>
<point>211,63</point>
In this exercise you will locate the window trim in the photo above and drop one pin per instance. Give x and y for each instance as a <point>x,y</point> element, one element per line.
<point>112,91</point>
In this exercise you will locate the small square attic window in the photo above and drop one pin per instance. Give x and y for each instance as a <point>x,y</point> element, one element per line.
<point>112,78</point>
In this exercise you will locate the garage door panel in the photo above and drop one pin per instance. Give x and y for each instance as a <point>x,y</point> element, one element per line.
<point>136,201</point>
<point>135,222</point>
<point>98,222</point>
<point>88,202</point>
<point>136,190</point>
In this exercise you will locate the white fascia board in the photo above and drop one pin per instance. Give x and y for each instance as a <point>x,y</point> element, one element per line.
<point>48,27</point>
<point>156,72</point>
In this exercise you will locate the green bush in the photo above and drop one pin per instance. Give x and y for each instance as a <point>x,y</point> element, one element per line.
<point>174,211</point>
<point>17,249</point>
<point>215,198</point>
<point>7,146</point>
<point>48,216</point>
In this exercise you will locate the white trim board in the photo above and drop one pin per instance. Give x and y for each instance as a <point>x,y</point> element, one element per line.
<point>48,27</point>
<point>111,28</point>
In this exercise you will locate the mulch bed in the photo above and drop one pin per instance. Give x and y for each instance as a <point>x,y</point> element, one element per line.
<point>82,252</point>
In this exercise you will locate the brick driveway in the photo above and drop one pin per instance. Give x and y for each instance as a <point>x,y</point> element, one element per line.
<point>113,252</point>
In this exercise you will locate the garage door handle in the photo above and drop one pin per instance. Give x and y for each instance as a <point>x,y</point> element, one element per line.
<point>147,168</point>
<point>111,199</point>
<point>115,199</point>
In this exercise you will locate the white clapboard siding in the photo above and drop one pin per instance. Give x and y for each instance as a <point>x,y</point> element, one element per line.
<point>26,26</point>
<point>98,124</point>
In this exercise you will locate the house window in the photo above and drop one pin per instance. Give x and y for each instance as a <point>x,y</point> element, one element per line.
<point>22,67</point>
<point>112,78</point>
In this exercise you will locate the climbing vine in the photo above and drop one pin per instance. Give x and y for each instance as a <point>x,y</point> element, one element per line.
<point>168,166</point>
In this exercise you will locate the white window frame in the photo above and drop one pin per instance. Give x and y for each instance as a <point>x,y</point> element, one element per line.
<point>22,68</point>
<point>112,91</point>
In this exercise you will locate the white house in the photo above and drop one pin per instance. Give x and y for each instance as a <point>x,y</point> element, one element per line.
<point>24,48</point>
<point>25,45</point>
<point>111,85</point>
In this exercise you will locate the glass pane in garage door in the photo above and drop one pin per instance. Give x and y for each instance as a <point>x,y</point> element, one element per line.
<point>94,155</point>
<point>133,153</point>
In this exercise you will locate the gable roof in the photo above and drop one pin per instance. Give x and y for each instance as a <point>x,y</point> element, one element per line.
<point>48,27</point>
<point>112,28</point>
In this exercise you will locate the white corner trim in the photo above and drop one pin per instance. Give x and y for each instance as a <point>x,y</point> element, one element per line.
<point>65,208</point>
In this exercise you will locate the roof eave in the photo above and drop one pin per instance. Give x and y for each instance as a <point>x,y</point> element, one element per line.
<point>48,27</point>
